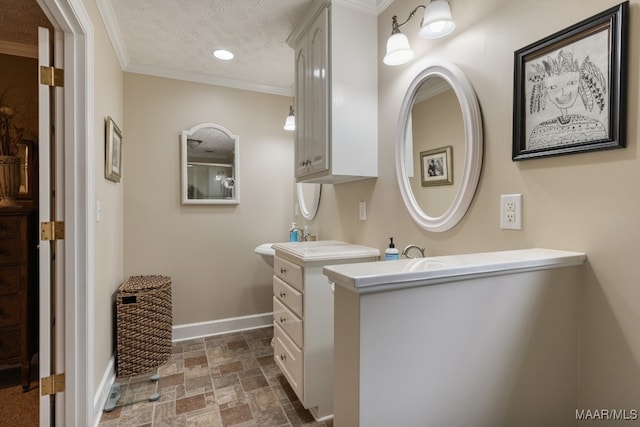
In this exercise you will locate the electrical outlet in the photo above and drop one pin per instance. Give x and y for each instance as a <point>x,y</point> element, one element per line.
<point>511,211</point>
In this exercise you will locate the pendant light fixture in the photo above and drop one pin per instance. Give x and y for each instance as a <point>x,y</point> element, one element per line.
<point>290,122</point>
<point>437,22</point>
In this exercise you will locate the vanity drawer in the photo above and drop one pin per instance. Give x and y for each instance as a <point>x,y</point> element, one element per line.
<point>288,321</point>
<point>287,295</point>
<point>9,251</point>
<point>9,227</point>
<point>9,310</point>
<point>9,280</point>
<point>289,272</point>
<point>9,342</point>
<point>290,360</point>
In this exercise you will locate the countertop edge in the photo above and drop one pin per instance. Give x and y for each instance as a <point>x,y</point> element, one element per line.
<point>361,280</point>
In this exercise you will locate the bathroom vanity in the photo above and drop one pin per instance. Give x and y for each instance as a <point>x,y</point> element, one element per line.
<point>483,340</point>
<point>303,316</point>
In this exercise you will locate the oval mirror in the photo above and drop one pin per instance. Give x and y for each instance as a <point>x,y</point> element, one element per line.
<point>209,164</point>
<point>439,147</point>
<point>309,199</point>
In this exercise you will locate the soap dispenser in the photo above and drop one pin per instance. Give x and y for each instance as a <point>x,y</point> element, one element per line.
<point>293,233</point>
<point>391,252</point>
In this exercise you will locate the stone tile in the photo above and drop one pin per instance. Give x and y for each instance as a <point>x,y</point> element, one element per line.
<point>199,383</point>
<point>172,380</point>
<point>226,380</point>
<point>188,404</point>
<point>254,383</point>
<point>236,415</point>
<point>206,419</point>
<point>230,367</point>
<point>196,361</point>
<point>238,346</point>
<point>164,411</point>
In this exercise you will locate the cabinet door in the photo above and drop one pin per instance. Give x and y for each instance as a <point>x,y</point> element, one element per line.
<point>312,92</point>
<point>302,114</point>
<point>318,94</point>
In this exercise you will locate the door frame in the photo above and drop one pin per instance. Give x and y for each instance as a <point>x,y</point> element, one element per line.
<point>70,17</point>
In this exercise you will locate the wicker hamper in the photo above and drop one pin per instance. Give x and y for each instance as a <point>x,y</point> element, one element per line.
<point>144,319</point>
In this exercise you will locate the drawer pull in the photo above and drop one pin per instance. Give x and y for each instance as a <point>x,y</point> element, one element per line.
<point>283,294</point>
<point>283,270</point>
<point>283,319</point>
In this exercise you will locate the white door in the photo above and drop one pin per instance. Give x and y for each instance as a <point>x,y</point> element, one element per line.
<point>51,252</point>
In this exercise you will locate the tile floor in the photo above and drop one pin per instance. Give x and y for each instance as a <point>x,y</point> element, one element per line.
<point>219,381</point>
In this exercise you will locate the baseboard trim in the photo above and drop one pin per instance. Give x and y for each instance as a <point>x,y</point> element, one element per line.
<point>100,399</point>
<point>183,333</point>
<point>223,326</point>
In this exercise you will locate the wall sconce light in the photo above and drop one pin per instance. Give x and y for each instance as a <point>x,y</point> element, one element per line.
<point>290,122</point>
<point>436,22</point>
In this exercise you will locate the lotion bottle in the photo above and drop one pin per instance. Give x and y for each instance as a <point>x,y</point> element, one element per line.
<point>391,252</point>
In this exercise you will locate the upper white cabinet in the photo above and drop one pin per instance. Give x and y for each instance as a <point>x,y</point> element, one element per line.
<point>336,94</point>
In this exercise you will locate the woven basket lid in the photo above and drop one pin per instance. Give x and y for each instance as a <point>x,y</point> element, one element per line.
<point>144,283</point>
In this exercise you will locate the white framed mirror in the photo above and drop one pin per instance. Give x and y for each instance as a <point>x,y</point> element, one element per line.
<point>209,156</point>
<point>439,144</point>
<point>308,199</point>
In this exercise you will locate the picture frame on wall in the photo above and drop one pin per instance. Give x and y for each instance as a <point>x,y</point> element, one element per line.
<point>436,166</point>
<point>570,89</point>
<point>113,151</point>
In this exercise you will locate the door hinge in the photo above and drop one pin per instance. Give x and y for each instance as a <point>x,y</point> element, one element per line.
<point>52,230</point>
<point>52,384</point>
<point>51,76</point>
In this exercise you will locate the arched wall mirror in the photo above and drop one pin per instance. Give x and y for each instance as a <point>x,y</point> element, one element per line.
<point>209,164</point>
<point>439,147</point>
<point>309,199</point>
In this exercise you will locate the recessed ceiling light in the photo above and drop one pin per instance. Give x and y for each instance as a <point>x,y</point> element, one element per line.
<point>223,54</point>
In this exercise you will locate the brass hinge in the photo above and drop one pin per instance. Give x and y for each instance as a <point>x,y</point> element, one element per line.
<point>52,230</point>
<point>52,384</point>
<point>51,76</point>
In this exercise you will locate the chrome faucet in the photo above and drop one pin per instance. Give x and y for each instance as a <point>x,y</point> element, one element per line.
<point>405,252</point>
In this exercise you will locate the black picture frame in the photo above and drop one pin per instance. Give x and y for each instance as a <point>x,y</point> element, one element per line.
<point>570,89</point>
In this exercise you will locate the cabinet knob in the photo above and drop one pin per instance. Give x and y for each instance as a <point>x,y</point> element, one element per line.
<point>283,319</point>
<point>283,270</point>
<point>283,357</point>
<point>283,294</point>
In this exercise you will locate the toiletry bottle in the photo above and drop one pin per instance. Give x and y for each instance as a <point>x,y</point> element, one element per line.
<point>391,252</point>
<point>293,233</point>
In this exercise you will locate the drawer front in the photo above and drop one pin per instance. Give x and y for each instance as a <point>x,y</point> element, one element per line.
<point>9,227</point>
<point>287,295</point>
<point>9,343</point>
<point>288,321</point>
<point>289,272</point>
<point>9,310</point>
<point>9,251</point>
<point>9,280</point>
<point>290,360</point>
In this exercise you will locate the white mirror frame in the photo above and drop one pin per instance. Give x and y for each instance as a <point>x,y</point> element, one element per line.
<point>183,165</point>
<point>473,147</point>
<point>309,212</point>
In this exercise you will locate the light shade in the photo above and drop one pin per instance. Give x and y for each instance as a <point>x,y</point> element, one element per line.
<point>290,122</point>
<point>437,20</point>
<point>398,50</point>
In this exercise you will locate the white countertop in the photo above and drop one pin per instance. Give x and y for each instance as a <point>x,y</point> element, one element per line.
<point>324,250</point>
<point>380,276</point>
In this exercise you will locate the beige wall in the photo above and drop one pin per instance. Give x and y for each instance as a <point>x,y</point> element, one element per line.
<point>585,202</point>
<point>108,238</point>
<point>207,250</point>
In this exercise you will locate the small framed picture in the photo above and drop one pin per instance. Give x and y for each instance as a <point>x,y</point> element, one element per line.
<point>436,166</point>
<point>570,89</point>
<point>113,151</point>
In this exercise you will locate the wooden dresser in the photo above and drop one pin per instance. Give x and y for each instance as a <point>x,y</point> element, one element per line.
<point>18,288</point>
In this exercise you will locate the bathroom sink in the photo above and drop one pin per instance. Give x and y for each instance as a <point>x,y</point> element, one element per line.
<point>266,252</point>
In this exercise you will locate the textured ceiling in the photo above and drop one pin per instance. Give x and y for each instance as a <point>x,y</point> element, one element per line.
<point>19,21</point>
<point>169,37</point>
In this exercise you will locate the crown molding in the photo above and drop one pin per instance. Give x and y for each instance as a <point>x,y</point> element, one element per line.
<point>208,79</point>
<point>113,30</point>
